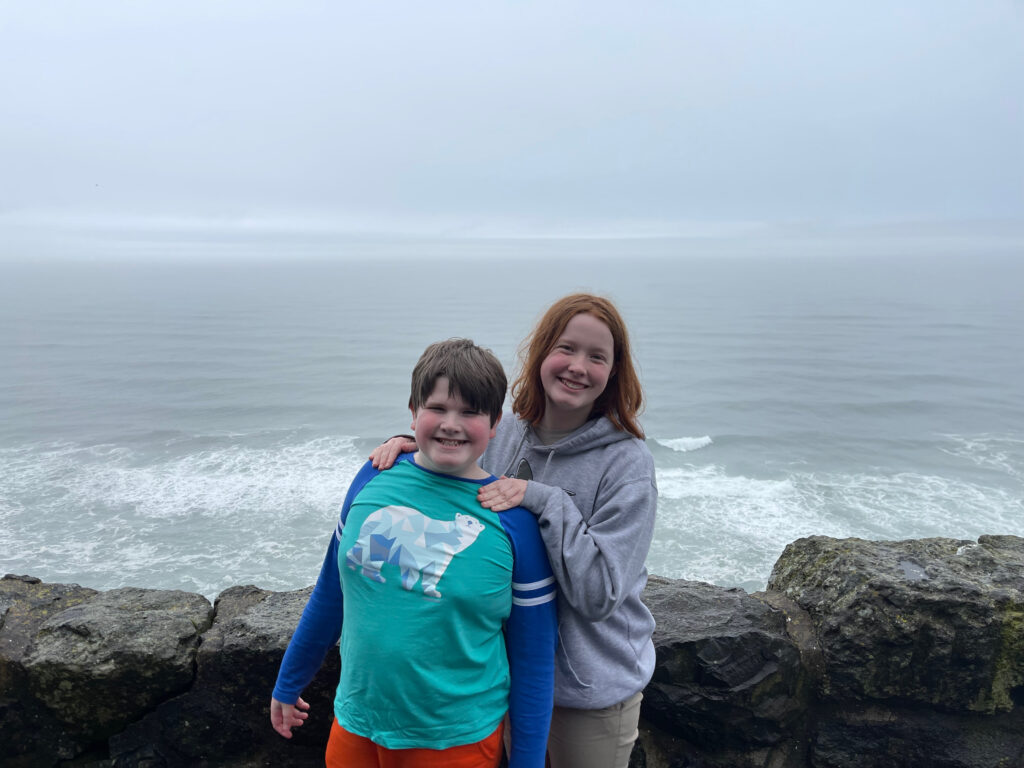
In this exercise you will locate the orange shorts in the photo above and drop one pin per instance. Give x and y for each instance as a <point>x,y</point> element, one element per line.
<point>347,750</point>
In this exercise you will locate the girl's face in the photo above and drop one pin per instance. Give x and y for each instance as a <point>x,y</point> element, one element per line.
<point>576,371</point>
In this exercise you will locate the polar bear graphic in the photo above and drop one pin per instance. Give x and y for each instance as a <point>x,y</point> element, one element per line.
<point>420,546</point>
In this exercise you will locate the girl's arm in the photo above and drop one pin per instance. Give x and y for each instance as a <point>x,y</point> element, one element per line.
<point>385,454</point>
<point>597,562</point>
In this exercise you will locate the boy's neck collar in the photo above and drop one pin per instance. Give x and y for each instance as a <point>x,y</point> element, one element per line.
<point>476,472</point>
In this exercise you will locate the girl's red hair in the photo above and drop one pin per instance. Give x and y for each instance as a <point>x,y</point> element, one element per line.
<point>623,397</point>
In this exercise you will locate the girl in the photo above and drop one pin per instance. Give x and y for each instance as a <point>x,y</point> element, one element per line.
<point>574,455</point>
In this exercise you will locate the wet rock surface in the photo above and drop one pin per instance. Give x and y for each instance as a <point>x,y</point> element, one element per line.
<point>105,662</point>
<point>938,622</point>
<point>728,678</point>
<point>921,647</point>
<point>859,653</point>
<point>225,713</point>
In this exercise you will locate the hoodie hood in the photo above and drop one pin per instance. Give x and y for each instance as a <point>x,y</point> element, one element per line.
<point>596,433</point>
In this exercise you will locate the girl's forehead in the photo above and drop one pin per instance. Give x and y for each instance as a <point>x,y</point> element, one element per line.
<point>586,324</point>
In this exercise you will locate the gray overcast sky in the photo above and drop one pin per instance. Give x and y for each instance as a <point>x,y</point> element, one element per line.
<point>507,118</point>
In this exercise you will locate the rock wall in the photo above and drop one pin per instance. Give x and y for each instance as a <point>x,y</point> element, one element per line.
<point>859,653</point>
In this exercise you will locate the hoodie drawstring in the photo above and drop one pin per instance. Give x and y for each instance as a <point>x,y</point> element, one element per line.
<point>547,463</point>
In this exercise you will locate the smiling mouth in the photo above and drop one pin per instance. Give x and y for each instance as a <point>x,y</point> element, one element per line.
<point>450,443</point>
<point>573,385</point>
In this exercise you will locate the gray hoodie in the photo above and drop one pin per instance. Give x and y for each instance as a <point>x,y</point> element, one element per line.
<point>594,495</point>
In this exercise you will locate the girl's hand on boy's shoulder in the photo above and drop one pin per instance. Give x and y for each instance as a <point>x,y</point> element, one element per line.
<point>504,493</point>
<point>384,455</point>
<point>284,717</point>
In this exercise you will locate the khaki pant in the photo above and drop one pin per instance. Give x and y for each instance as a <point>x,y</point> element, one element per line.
<point>594,738</point>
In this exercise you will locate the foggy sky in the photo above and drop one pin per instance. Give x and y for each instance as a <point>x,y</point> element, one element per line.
<point>235,118</point>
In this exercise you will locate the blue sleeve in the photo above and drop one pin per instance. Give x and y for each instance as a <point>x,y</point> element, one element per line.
<point>318,630</point>
<point>531,635</point>
<point>320,626</point>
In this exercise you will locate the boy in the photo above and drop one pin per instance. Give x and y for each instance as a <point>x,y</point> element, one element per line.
<point>449,608</point>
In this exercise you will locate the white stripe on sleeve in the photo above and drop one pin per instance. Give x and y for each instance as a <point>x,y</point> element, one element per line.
<point>528,601</point>
<point>533,584</point>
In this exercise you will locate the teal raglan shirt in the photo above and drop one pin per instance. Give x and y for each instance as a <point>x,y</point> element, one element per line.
<point>449,616</point>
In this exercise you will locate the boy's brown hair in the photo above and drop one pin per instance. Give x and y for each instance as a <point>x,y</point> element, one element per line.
<point>623,397</point>
<point>473,373</point>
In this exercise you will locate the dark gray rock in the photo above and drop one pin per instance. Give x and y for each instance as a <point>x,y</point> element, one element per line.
<point>728,677</point>
<point>921,645</point>
<point>105,662</point>
<point>938,622</point>
<point>225,716</point>
<point>877,736</point>
<point>30,731</point>
<point>25,603</point>
<point>867,654</point>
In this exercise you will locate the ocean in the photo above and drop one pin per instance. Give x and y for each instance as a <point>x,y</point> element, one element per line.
<point>195,425</point>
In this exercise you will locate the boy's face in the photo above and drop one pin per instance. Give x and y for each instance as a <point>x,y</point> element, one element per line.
<point>451,436</point>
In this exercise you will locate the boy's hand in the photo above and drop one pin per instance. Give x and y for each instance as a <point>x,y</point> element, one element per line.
<point>383,456</point>
<point>504,493</point>
<point>284,717</point>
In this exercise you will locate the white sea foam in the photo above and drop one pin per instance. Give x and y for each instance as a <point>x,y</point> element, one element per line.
<point>730,529</point>
<point>995,452</point>
<point>684,444</point>
<point>259,509</point>
<point>722,528</point>
<point>217,481</point>
<point>201,521</point>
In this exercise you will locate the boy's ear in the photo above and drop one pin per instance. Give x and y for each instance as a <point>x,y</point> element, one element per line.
<point>413,412</point>
<point>494,427</point>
